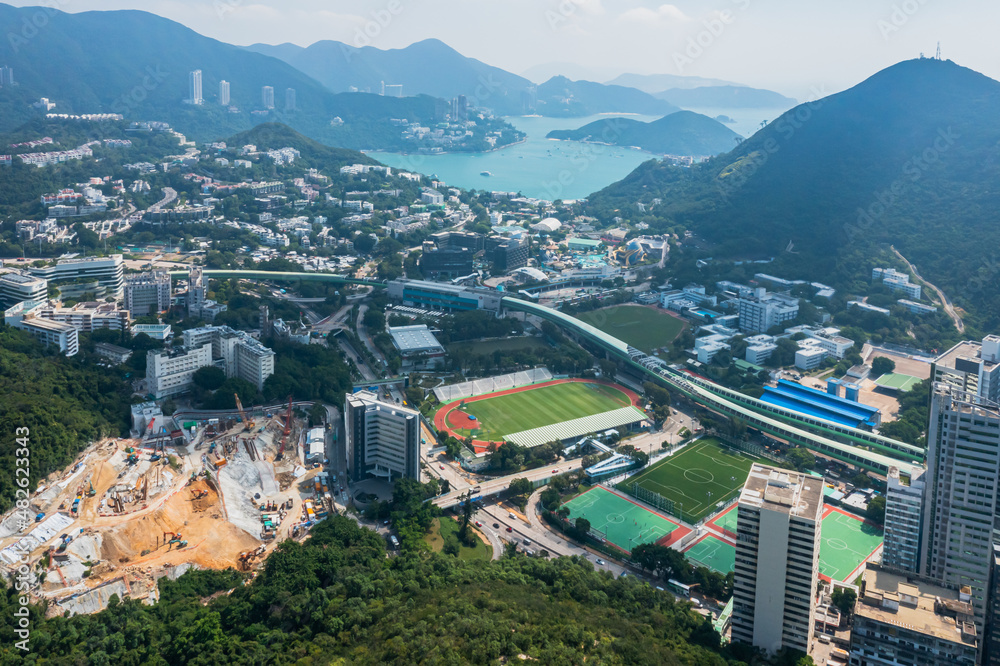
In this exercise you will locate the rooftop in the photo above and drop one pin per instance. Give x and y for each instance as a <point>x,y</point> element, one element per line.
<point>414,338</point>
<point>783,491</point>
<point>916,605</point>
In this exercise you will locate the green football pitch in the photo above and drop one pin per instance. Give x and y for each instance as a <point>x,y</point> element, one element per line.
<point>642,327</point>
<point>713,553</point>
<point>697,480</point>
<point>623,523</point>
<point>845,544</point>
<point>535,408</point>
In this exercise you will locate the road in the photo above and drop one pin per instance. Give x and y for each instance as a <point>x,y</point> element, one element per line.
<point>945,303</point>
<point>499,484</point>
<point>169,196</point>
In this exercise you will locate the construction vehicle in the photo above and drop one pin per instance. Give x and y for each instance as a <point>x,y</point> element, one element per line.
<point>154,457</point>
<point>286,431</point>
<point>247,421</point>
<point>198,494</point>
<point>92,491</point>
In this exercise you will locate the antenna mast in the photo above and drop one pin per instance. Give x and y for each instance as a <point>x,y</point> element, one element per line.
<point>938,56</point>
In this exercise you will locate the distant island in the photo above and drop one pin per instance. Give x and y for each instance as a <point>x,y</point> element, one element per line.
<point>680,133</point>
<point>726,97</point>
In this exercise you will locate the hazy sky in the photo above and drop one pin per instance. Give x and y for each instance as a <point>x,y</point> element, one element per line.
<point>792,46</point>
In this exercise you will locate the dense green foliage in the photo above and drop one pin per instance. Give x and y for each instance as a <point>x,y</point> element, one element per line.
<point>914,414</point>
<point>65,403</point>
<point>680,133</point>
<point>908,157</point>
<point>338,599</point>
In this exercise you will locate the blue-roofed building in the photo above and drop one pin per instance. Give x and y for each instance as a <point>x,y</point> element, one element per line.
<point>822,405</point>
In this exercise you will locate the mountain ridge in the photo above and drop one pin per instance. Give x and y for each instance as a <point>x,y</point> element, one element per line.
<point>679,133</point>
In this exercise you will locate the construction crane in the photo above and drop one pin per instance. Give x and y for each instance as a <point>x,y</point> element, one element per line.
<point>247,423</point>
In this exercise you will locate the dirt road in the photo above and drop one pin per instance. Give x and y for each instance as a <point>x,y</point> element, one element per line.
<point>945,303</point>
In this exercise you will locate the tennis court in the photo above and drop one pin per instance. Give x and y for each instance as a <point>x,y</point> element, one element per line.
<point>623,522</point>
<point>727,521</point>
<point>697,481</point>
<point>897,382</point>
<point>847,542</point>
<point>714,553</point>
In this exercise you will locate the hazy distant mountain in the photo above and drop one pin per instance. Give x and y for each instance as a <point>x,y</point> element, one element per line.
<point>654,83</point>
<point>430,67</point>
<point>433,68</point>
<point>727,97</point>
<point>571,70</point>
<point>560,97</point>
<point>138,64</point>
<point>681,133</point>
<point>910,156</point>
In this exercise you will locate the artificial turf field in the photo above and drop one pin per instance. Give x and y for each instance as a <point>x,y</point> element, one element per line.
<point>624,523</point>
<point>697,479</point>
<point>643,327</point>
<point>846,543</point>
<point>901,383</point>
<point>538,407</point>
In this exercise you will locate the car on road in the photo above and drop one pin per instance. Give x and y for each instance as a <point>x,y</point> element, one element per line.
<point>478,524</point>
<point>496,526</point>
<point>510,529</point>
<point>600,562</point>
<point>527,542</point>
<point>441,466</point>
<point>555,471</point>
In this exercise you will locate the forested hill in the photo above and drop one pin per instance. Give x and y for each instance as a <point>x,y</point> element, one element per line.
<point>909,157</point>
<point>337,599</point>
<point>681,133</point>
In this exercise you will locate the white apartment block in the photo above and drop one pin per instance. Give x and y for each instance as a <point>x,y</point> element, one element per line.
<point>764,311</point>
<point>19,286</point>
<point>904,500</point>
<point>383,439</point>
<point>826,338</point>
<point>147,293</point>
<point>777,559</point>
<point>109,272</point>
<point>88,317</point>
<point>23,316</point>
<point>961,512</point>
<point>170,371</point>
<point>235,352</point>
<point>897,281</point>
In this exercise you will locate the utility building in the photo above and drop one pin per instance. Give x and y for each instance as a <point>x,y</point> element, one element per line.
<point>383,439</point>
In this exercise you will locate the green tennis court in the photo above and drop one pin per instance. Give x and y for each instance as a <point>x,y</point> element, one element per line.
<point>728,520</point>
<point>703,476</point>
<point>845,544</point>
<point>897,382</point>
<point>624,523</point>
<point>713,553</point>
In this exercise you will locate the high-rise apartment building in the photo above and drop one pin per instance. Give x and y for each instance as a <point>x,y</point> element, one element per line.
<point>904,500</point>
<point>961,513</point>
<point>777,559</point>
<point>238,354</point>
<point>171,371</point>
<point>224,93</point>
<point>972,367</point>
<point>267,97</point>
<point>763,311</point>
<point>290,104</point>
<point>194,85</point>
<point>383,439</point>
<point>992,657</point>
<point>147,293</point>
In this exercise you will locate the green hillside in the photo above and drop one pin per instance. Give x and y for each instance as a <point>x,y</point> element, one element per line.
<point>909,157</point>
<point>681,133</point>
<point>143,73</point>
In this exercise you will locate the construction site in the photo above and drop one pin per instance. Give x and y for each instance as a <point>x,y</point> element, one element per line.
<point>216,493</point>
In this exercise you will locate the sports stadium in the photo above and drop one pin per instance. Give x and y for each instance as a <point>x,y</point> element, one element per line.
<point>534,408</point>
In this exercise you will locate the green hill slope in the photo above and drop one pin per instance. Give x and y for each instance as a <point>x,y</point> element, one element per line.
<point>910,156</point>
<point>681,133</point>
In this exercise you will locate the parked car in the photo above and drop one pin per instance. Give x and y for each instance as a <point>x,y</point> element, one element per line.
<point>510,529</point>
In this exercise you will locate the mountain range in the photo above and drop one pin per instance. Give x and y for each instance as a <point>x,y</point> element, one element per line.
<point>680,133</point>
<point>910,157</point>
<point>726,97</point>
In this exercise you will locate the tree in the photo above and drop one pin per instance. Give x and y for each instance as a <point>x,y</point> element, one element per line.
<point>521,487</point>
<point>875,511</point>
<point>882,365</point>
<point>844,599</point>
<point>445,486</point>
<point>582,526</point>
<point>802,459</point>
<point>209,378</point>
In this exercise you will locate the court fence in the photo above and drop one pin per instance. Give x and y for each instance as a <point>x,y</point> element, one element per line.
<point>656,500</point>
